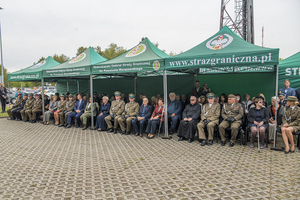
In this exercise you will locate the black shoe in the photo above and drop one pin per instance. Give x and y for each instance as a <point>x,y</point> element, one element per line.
<point>231,144</point>
<point>203,143</point>
<point>123,132</point>
<point>61,125</point>
<point>68,126</point>
<point>84,128</point>
<point>127,133</point>
<point>110,130</point>
<point>25,120</point>
<point>137,134</point>
<point>17,119</point>
<point>9,119</point>
<point>223,143</point>
<point>33,121</point>
<point>77,126</point>
<point>286,152</point>
<point>293,150</point>
<point>115,131</point>
<point>181,138</point>
<point>210,142</point>
<point>171,132</point>
<point>190,140</point>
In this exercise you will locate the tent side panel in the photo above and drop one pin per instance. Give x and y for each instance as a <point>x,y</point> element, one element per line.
<point>251,83</point>
<point>110,85</point>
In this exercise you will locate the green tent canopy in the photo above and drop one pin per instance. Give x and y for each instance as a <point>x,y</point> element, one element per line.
<point>144,58</point>
<point>224,51</point>
<point>289,68</point>
<point>78,66</point>
<point>33,72</point>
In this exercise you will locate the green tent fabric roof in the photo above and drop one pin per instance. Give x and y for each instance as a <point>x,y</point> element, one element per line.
<point>223,49</point>
<point>76,66</point>
<point>289,68</point>
<point>144,57</point>
<point>33,72</point>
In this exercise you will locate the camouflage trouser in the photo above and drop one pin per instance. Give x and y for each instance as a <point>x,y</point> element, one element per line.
<point>128,123</point>
<point>108,121</point>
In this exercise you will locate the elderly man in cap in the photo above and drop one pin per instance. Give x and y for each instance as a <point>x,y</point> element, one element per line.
<point>36,108</point>
<point>191,117</point>
<point>130,112</point>
<point>67,109</point>
<point>18,102</point>
<point>174,112</point>
<point>232,114</point>
<point>78,111</point>
<point>16,112</point>
<point>116,109</point>
<point>28,106</point>
<point>209,118</point>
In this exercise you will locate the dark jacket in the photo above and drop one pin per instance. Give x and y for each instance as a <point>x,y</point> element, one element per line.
<point>3,92</point>
<point>298,95</point>
<point>192,111</point>
<point>148,111</point>
<point>279,114</point>
<point>177,110</point>
<point>184,104</point>
<point>252,116</point>
<point>197,94</point>
<point>104,108</point>
<point>81,106</point>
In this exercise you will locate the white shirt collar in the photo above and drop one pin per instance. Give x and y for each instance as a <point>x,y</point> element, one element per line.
<point>293,107</point>
<point>211,104</point>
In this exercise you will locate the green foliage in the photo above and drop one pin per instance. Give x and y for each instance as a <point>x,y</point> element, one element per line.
<point>5,76</point>
<point>112,51</point>
<point>80,50</point>
<point>61,59</point>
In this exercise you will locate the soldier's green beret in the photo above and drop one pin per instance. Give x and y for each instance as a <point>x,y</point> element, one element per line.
<point>291,98</point>
<point>131,96</point>
<point>117,93</point>
<point>210,95</point>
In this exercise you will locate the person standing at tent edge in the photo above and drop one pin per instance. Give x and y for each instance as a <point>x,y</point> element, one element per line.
<point>197,90</point>
<point>3,93</point>
<point>287,90</point>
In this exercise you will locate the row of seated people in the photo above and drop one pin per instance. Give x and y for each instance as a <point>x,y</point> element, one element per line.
<point>191,119</point>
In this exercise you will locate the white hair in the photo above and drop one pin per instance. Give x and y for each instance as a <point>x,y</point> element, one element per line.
<point>275,98</point>
<point>145,98</point>
<point>106,97</point>
<point>172,93</point>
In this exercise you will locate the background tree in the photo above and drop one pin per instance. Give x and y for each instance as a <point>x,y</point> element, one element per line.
<point>61,59</point>
<point>80,50</point>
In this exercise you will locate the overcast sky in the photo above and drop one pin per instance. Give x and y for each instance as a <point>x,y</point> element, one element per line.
<point>35,28</point>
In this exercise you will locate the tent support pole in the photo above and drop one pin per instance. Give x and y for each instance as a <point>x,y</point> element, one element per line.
<point>77,87</point>
<point>195,78</point>
<point>68,86</point>
<point>166,105</point>
<point>43,99</point>
<point>276,94</point>
<point>92,101</point>
<point>135,86</point>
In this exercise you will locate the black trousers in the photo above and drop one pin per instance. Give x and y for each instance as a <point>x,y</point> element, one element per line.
<point>3,104</point>
<point>16,113</point>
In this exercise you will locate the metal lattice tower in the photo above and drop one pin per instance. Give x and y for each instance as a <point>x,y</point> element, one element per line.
<point>242,23</point>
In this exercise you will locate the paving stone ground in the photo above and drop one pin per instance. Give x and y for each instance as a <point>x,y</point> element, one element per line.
<point>47,162</point>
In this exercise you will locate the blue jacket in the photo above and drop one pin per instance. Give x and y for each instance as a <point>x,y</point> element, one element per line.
<point>177,107</point>
<point>80,107</point>
<point>290,92</point>
<point>148,111</point>
<point>105,108</point>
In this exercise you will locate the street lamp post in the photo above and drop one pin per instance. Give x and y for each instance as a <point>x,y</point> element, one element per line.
<point>1,54</point>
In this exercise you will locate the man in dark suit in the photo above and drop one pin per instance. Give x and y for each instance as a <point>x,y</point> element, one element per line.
<point>3,96</point>
<point>184,102</point>
<point>174,112</point>
<point>78,111</point>
<point>287,90</point>
<point>142,117</point>
<point>197,90</point>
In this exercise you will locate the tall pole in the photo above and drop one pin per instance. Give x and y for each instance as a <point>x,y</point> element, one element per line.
<point>276,92</point>
<point>43,100</point>
<point>1,54</point>
<point>166,102</point>
<point>92,101</point>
